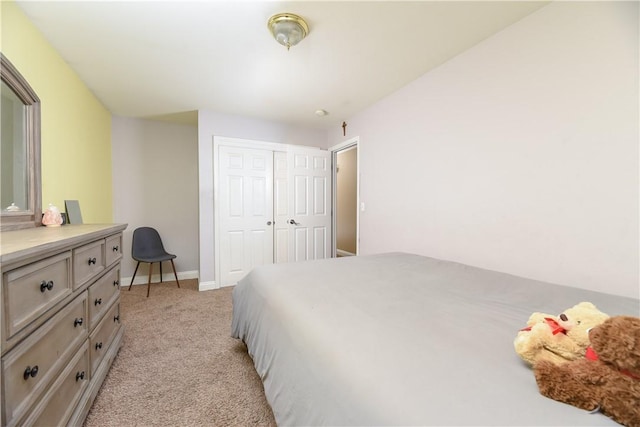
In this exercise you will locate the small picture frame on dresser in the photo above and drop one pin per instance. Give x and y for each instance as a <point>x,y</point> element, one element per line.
<point>74,215</point>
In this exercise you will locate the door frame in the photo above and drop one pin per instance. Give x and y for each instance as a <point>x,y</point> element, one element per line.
<point>343,146</point>
<point>237,143</point>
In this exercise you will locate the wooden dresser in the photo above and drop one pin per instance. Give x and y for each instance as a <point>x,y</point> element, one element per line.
<point>61,329</point>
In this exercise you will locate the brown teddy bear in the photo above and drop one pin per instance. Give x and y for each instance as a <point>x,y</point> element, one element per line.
<point>608,379</point>
<point>558,339</point>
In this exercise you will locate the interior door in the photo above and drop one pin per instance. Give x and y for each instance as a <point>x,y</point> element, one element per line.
<point>309,177</point>
<point>281,211</point>
<point>245,211</point>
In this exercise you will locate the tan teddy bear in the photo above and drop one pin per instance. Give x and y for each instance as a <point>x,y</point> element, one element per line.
<point>608,379</point>
<point>558,339</point>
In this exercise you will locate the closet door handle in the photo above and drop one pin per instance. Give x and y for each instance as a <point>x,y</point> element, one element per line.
<point>293,222</point>
<point>269,222</point>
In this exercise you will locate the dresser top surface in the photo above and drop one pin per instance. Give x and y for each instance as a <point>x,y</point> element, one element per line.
<point>17,244</point>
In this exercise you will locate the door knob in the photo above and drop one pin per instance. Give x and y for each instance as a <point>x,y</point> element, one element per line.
<point>269,223</point>
<point>293,222</point>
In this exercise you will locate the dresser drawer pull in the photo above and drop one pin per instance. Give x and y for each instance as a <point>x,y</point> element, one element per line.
<point>116,282</point>
<point>98,345</point>
<point>92,261</point>
<point>30,372</point>
<point>98,301</point>
<point>116,249</point>
<point>79,376</point>
<point>77,322</point>
<point>44,286</point>
<point>116,318</point>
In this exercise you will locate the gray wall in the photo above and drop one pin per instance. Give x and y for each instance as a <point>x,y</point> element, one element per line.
<point>155,183</point>
<point>519,155</point>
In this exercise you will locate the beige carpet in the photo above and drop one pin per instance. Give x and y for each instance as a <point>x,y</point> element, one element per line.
<point>178,365</point>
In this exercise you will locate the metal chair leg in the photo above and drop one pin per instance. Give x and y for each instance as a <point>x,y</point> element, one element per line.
<point>160,271</point>
<point>134,274</point>
<point>174,272</point>
<point>149,282</point>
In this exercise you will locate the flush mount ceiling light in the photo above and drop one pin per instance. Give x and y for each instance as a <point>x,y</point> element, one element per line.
<point>288,29</point>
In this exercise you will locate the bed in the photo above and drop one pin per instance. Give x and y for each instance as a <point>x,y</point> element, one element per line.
<point>401,339</point>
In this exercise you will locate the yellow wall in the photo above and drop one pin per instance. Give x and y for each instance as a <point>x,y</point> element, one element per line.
<point>76,127</point>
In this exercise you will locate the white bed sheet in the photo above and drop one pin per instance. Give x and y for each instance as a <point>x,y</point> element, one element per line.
<point>401,339</point>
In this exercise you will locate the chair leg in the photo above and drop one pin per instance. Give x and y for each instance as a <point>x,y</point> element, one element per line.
<point>134,274</point>
<point>160,271</point>
<point>149,282</point>
<point>174,272</point>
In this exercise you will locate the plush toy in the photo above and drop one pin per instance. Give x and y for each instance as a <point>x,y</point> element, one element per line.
<point>608,379</point>
<point>558,339</point>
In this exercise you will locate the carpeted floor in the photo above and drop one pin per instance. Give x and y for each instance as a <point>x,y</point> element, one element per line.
<point>178,365</point>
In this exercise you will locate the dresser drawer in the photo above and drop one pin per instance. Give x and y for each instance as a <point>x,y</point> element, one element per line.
<point>102,337</point>
<point>101,295</point>
<point>29,368</point>
<point>113,249</point>
<point>58,404</point>
<point>88,262</point>
<point>31,290</point>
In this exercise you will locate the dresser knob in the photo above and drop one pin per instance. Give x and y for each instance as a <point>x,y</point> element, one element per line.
<point>77,322</point>
<point>116,282</point>
<point>44,286</point>
<point>98,301</point>
<point>116,248</point>
<point>98,345</point>
<point>92,261</point>
<point>80,376</point>
<point>30,372</point>
<point>116,318</point>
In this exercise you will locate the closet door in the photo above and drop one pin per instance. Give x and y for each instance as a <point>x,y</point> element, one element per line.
<point>281,211</point>
<point>245,211</point>
<point>309,173</point>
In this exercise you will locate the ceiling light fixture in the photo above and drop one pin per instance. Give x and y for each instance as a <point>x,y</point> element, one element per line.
<point>288,29</point>
<point>321,113</point>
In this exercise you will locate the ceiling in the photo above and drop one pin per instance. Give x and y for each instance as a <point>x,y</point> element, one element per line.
<point>167,59</point>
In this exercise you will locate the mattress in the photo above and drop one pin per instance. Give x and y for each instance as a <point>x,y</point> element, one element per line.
<point>401,339</point>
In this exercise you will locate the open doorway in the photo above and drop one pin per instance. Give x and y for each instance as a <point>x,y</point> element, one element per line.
<point>346,198</point>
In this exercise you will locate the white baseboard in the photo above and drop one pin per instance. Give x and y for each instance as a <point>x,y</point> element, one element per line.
<point>207,286</point>
<point>168,277</point>
<point>142,279</point>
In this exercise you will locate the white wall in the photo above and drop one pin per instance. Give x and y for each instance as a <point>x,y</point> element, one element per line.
<point>524,153</point>
<point>212,124</point>
<point>155,183</point>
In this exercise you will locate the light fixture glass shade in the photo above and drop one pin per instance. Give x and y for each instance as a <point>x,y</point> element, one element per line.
<point>288,29</point>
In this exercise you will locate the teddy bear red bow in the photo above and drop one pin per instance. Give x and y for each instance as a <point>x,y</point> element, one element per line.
<point>608,382</point>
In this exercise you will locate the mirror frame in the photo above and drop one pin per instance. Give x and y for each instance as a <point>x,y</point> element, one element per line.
<point>33,216</point>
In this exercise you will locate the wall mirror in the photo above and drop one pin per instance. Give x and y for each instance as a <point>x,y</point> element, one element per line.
<point>20,192</point>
